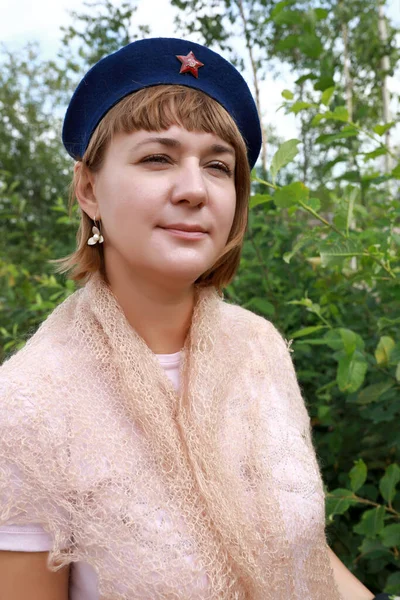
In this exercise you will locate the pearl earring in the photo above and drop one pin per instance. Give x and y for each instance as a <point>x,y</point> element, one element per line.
<point>97,237</point>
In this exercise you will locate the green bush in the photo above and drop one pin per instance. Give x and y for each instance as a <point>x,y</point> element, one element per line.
<point>323,265</point>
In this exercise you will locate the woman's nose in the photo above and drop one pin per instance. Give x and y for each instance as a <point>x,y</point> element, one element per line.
<point>190,185</point>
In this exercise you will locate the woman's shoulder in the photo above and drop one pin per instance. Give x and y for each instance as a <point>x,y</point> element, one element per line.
<point>28,386</point>
<point>31,377</point>
<point>242,320</point>
<point>39,358</point>
<point>44,346</point>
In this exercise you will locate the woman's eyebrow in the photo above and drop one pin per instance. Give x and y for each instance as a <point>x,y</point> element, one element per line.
<point>173,143</point>
<point>220,149</point>
<point>165,141</point>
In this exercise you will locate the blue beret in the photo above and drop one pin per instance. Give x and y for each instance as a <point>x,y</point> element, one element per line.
<point>159,61</point>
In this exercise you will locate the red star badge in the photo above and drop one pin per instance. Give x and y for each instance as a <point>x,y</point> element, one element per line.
<point>190,64</point>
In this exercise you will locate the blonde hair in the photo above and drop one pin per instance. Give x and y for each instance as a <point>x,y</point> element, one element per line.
<point>156,109</point>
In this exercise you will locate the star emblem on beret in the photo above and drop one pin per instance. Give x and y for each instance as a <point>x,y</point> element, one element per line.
<point>190,64</point>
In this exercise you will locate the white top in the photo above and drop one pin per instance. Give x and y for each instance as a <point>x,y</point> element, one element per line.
<point>83,583</point>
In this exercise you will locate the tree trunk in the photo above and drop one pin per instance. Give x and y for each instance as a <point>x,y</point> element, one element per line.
<point>385,65</point>
<point>348,86</point>
<point>348,82</point>
<point>255,83</point>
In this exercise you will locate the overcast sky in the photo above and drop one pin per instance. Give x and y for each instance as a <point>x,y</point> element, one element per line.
<point>23,20</point>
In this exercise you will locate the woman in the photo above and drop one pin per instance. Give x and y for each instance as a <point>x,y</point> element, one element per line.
<point>155,443</point>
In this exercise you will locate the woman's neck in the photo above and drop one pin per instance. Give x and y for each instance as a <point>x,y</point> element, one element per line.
<point>161,315</point>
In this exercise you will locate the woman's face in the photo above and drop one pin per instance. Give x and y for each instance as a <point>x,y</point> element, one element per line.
<point>153,181</point>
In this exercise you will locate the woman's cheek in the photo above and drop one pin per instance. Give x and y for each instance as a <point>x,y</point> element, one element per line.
<point>229,218</point>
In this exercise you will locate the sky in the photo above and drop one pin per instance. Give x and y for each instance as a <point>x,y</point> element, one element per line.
<point>23,20</point>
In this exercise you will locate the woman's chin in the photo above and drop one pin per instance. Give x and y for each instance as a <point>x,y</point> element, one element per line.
<point>184,274</point>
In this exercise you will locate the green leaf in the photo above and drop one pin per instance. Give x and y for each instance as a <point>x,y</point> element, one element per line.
<point>325,168</point>
<point>371,523</point>
<point>290,195</point>
<point>351,372</point>
<point>288,94</point>
<point>324,414</point>
<point>327,95</point>
<point>300,105</point>
<point>385,412</point>
<point>321,13</point>
<point>390,535</point>
<point>374,548</point>
<point>392,585</point>
<point>287,17</point>
<point>339,250</point>
<point>333,137</point>
<point>316,120</point>
<point>339,114</point>
<point>395,355</point>
<point>375,153</point>
<point>398,372</point>
<point>396,172</point>
<point>310,45</point>
<point>349,340</point>
<point>388,482</point>
<point>344,339</point>
<point>330,258</point>
<point>39,300</point>
<point>352,176</point>
<point>301,241</point>
<point>383,350</point>
<point>381,129</point>
<point>306,331</point>
<point>358,475</point>
<point>259,199</point>
<point>338,501</point>
<point>287,43</point>
<point>313,203</point>
<point>307,302</point>
<point>305,77</point>
<point>280,6</point>
<point>340,222</point>
<point>261,305</point>
<point>374,179</point>
<point>312,342</point>
<point>324,82</point>
<point>384,322</point>
<point>283,156</point>
<point>373,392</point>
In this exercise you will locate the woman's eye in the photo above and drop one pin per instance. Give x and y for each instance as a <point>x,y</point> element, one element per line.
<point>221,167</point>
<point>157,158</point>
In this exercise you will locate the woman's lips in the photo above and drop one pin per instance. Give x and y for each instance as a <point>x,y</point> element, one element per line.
<point>188,235</point>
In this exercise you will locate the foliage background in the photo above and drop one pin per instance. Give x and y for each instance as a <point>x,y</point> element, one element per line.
<point>321,256</point>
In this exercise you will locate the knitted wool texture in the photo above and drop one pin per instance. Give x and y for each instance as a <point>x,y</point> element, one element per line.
<point>211,493</point>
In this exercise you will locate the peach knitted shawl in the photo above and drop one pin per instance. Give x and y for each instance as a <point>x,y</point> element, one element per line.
<point>210,493</point>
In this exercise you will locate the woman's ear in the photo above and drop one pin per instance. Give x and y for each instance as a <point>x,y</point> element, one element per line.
<point>84,190</point>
